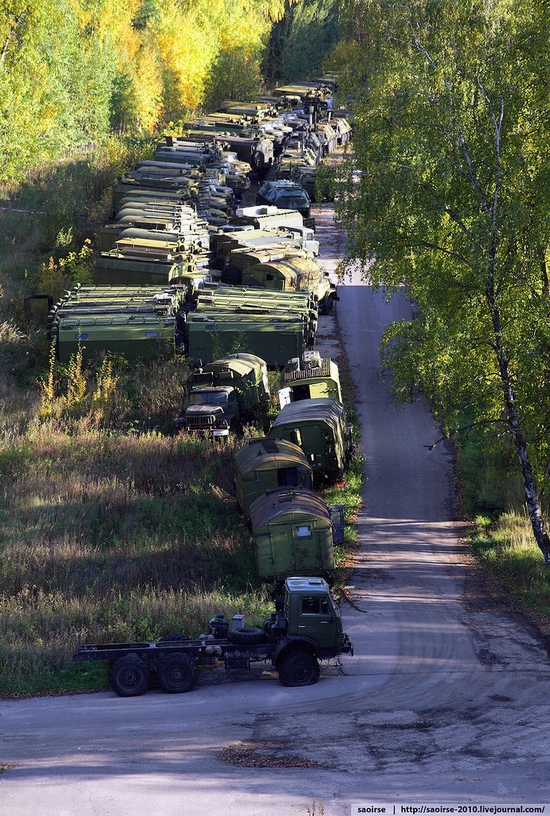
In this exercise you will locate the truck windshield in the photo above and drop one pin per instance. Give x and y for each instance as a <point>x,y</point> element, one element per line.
<point>208,398</point>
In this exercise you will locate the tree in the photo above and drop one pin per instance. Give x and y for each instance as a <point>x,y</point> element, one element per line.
<point>452,138</point>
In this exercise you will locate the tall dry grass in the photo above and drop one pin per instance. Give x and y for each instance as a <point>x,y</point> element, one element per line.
<point>113,537</point>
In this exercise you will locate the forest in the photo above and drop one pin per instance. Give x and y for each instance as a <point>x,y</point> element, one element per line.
<point>73,71</point>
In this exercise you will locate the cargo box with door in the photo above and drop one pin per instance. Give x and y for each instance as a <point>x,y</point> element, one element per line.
<point>319,427</point>
<point>294,534</point>
<point>267,464</point>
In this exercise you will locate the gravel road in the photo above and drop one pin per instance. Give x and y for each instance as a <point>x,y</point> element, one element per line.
<point>445,701</point>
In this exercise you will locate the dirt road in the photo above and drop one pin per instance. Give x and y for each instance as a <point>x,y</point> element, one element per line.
<point>446,699</point>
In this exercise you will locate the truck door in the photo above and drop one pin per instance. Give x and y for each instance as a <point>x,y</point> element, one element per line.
<point>316,620</point>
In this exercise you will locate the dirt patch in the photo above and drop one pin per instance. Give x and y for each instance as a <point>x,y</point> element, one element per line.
<point>254,755</point>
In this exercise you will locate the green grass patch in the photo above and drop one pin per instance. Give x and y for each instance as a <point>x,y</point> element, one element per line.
<point>506,547</point>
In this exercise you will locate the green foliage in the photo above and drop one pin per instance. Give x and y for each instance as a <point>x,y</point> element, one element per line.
<point>448,204</point>
<point>234,74</point>
<point>506,549</point>
<point>300,40</point>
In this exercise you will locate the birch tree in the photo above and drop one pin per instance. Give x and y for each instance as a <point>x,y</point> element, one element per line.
<point>452,141</point>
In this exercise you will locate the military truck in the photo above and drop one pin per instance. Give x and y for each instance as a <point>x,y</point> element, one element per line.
<point>274,339</point>
<point>291,272</point>
<point>221,395</point>
<point>284,194</point>
<point>137,322</point>
<point>266,464</point>
<point>294,531</point>
<point>310,377</point>
<point>319,427</point>
<point>305,627</point>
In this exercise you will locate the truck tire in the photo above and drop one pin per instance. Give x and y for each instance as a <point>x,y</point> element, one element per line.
<point>177,673</point>
<point>298,667</point>
<point>247,636</point>
<point>173,638</point>
<point>129,676</point>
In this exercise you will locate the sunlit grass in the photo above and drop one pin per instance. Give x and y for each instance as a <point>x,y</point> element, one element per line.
<point>507,548</point>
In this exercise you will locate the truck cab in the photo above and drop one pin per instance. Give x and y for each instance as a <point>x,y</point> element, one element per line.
<point>212,410</point>
<point>311,612</point>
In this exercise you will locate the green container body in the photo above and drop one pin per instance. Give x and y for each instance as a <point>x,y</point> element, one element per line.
<point>268,464</point>
<point>274,340</point>
<point>134,337</point>
<point>319,427</point>
<point>292,532</point>
<point>123,270</point>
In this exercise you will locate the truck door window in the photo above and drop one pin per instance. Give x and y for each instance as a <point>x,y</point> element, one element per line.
<point>315,606</point>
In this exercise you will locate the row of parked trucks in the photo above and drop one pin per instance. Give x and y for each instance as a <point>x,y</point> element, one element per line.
<point>182,266</point>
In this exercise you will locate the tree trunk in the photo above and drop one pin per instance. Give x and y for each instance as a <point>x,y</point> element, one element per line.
<point>529,485</point>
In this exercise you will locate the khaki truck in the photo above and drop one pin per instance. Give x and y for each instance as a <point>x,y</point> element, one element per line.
<point>293,271</point>
<point>225,392</point>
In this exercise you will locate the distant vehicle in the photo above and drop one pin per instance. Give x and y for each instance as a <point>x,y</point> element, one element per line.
<point>284,194</point>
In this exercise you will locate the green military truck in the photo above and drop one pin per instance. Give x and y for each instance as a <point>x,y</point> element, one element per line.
<point>310,377</point>
<point>266,464</point>
<point>305,628</point>
<point>319,427</point>
<point>221,395</point>
<point>295,532</point>
<point>290,272</point>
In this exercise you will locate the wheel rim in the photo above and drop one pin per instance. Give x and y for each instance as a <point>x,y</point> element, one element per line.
<point>302,672</point>
<point>130,678</point>
<point>176,674</point>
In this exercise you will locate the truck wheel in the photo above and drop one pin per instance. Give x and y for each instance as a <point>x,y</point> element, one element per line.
<point>173,638</point>
<point>177,673</point>
<point>298,668</point>
<point>129,676</point>
<point>247,636</point>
